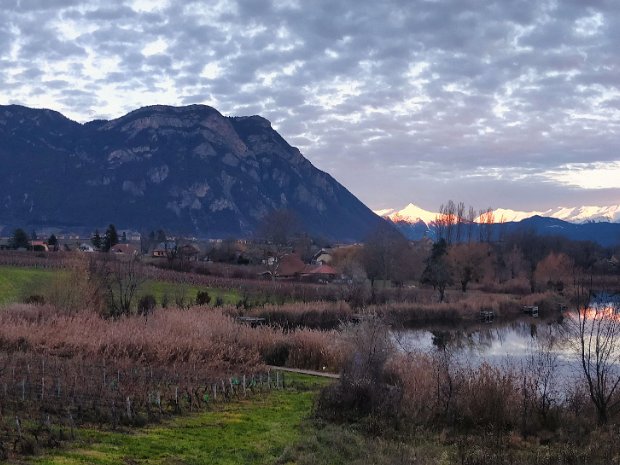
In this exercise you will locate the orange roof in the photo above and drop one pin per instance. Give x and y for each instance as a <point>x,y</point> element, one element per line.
<point>290,265</point>
<point>320,269</point>
<point>124,249</point>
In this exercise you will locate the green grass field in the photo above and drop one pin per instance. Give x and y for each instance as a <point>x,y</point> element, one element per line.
<point>253,431</point>
<point>159,289</point>
<point>17,283</point>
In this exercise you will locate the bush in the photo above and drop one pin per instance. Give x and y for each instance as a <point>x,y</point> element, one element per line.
<point>146,304</point>
<point>365,391</point>
<point>203,298</point>
<point>277,354</point>
<point>35,299</point>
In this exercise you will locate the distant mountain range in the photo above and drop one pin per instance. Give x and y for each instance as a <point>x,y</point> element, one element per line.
<point>412,214</point>
<point>187,170</point>
<point>598,224</point>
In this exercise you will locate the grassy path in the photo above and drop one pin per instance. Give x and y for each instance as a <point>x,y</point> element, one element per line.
<point>322,374</point>
<point>254,431</point>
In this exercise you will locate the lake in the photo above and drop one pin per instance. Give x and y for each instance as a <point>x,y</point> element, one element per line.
<point>498,344</point>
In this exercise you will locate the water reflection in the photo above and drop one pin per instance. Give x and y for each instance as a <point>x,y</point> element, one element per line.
<point>492,343</point>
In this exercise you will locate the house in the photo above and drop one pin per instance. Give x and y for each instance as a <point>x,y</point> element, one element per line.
<point>39,246</point>
<point>164,249</point>
<point>290,266</point>
<point>322,257</point>
<point>124,249</point>
<point>84,247</point>
<point>319,273</point>
<point>188,252</point>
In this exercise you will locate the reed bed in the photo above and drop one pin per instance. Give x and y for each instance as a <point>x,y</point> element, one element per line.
<point>198,335</point>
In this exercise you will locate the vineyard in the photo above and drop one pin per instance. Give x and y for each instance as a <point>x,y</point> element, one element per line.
<point>46,399</point>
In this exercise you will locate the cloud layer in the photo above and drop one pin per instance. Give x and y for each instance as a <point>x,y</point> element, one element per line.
<point>512,104</point>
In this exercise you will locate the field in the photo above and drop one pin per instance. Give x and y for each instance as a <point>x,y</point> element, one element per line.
<point>255,431</point>
<point>18,283</point>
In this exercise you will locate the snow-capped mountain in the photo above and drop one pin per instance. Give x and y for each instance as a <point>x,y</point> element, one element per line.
<point>570,214</point>
<point>589,223</point>
<point>414,214</point>
<point>410,214</point>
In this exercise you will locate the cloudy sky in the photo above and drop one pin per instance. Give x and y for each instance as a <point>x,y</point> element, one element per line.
<point>512,104</point>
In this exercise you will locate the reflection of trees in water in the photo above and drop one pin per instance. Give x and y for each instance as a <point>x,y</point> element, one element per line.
<point>482,339</point>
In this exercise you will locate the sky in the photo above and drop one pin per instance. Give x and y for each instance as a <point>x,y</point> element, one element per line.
<point>512,104</point>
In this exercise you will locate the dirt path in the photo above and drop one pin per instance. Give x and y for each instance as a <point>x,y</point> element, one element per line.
<point>323,374</point>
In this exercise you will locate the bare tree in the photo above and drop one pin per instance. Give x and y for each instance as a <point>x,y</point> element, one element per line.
<point>598,330</point>
<point>487,220</point>
<point>279,227</point>
<point>386,255</point>
<point>460,220</point>
<point>122,280</point>
<point>449,215</point>
<point>471,222</point>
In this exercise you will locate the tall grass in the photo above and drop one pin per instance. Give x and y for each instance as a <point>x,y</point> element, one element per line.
<point>197,335</point>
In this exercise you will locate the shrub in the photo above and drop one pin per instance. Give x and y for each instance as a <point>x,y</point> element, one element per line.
<point>277,354</point>
<point>364,391</point>
<point>35,299</point>
<point>146,304</point>
<point>203,298</point>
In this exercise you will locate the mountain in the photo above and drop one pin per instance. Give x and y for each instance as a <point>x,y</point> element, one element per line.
<point>188,170</point>
<point>604,233</point>
<point>412,221</point>
<point>413,214</point>
<point>572,214</point>
<point>588,223</point>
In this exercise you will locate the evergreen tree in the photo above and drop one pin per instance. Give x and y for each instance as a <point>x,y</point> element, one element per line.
<point>20,239</point>
<point>52,241</point>
<point>124,238</point>
<point>96,240</point>
<point>111,238</point>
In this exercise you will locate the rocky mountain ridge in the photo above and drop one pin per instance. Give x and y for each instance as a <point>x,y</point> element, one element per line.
<point>188,170</point>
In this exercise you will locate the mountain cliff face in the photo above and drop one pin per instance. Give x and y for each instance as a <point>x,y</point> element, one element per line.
<point>185,169</point>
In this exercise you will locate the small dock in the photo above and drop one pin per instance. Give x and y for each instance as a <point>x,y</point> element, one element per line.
<point>531,310</point>
<point>487,316</point>
<point>251,320</point>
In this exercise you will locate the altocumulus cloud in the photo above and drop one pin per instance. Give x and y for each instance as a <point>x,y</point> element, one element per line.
<point>518,102</point>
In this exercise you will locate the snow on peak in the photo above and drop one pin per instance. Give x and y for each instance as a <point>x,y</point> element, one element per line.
<point>410,214</point>
<point>588,213</point>
<point>502,215</point>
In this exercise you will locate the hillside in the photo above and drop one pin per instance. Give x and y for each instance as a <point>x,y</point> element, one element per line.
<point>187,170</point>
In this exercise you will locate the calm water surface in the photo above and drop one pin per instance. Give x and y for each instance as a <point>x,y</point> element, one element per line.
<point>493,343</point>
